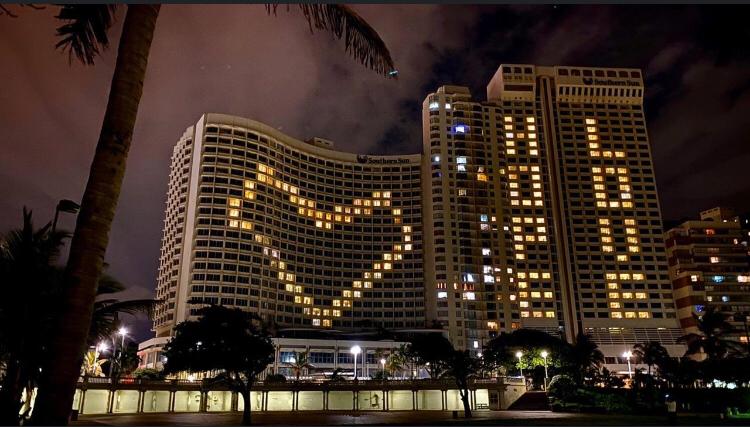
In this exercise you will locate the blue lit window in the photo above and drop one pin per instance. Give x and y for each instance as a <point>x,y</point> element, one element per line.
<point>461,160</point>
<point>725,298</point>
<point>483,218</point>
<point>459,128</point>
<point>699,308</point>
<point>718,279</point>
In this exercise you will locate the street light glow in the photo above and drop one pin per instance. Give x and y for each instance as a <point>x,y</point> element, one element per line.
<point>382,362</point>
<point>627,354</point>
<point>355,350</point>
<point>545,354</point>
<point>123,331</point>
<point>519,354</point>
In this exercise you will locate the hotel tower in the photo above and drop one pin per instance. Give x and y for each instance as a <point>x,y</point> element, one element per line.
<point>535,208</point>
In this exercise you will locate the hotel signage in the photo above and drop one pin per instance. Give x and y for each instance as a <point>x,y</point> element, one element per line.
<point>379,160</point>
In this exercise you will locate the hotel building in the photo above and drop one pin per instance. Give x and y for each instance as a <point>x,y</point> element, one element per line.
<point>294,231</point>
<point>534,208</point>
<point>709,267</point>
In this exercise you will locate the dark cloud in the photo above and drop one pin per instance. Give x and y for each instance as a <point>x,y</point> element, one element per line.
<point>238,60</point>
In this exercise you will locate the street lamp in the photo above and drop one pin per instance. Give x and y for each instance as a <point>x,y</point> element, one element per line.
<point>122,332</point>
<point>544,356</point>
<point>519,355</point>
<point>382,363</point>
<point>355,351</point>
<point>628,354</point>
<point>67,206</point>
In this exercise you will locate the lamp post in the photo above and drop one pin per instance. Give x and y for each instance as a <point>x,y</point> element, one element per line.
<point>544,356</point>
<point>627,355</point>
<point>382,363</point>
<point>519,355</point>
<point>64,205</point>
<point>122,332</point>
<point>355,351</point>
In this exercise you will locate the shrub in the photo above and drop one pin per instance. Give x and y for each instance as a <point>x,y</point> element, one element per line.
<point>562,387</point>
<point>275,379</point>
<point>148,374</point>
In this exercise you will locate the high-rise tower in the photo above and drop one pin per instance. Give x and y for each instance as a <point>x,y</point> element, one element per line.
<point>541,209</point>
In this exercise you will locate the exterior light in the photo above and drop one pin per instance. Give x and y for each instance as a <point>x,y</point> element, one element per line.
<point>355,350</point>
<point>544,354</point>
<point>628,354</point>
<point>123,331</point>
<point>519,355</point>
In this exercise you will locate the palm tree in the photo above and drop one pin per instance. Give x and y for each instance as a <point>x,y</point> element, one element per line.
<point>83,34</point>
<point>27,258</point>
<point>583,358</point>
<point>710,339</point>
<point>651,353</point>
<point>105,320</point>
<point>299,363</point>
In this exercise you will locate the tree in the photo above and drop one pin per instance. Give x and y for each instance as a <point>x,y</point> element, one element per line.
<point>430,351</point>
<point>299,363</point>
<point>85,32</point>
<point>27,268</point>
<point>710,339</point>
<point>230,341</point>
<point>651,353</point>
<point>106,320</point>
<point>460,366</point>
<point>583,359</point>
<point>500,352</point>
<point>92,364</point>
<point>33,286</point>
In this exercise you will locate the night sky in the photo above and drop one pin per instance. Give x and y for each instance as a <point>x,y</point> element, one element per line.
<point>238,60</point>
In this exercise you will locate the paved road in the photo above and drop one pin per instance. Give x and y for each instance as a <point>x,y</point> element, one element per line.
<point>545,418</point>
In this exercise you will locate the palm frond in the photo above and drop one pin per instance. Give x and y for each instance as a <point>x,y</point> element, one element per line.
<point>131,307</point>
<point>85,31</point>
<point>360,39</point>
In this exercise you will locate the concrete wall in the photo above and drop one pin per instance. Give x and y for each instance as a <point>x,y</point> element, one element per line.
<point>127,401</point>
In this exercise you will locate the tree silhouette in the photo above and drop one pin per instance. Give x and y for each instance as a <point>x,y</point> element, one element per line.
<point>84,33</point>
<point>461,366</point>
<point>583,359</point>
<point>651,353</point>
<point>229,341</point>
<point>27,268</point>
<point>711,338</point>
<point>300,363</point>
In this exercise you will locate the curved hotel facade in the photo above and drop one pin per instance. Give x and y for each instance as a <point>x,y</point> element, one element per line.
<point>534,208</point>
<point>297,232</point>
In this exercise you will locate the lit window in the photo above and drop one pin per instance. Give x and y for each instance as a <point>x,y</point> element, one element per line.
<point>486,251</point>
<point>434,105</point>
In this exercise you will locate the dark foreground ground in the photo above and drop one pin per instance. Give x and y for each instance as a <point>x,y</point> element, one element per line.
<point>494,418</point>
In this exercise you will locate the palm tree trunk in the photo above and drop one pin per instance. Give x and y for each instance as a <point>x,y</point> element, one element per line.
<point>98,206</point>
